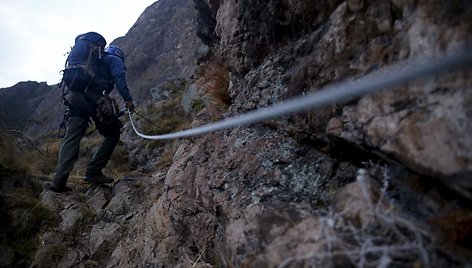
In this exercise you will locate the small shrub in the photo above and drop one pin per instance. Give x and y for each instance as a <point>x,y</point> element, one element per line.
<point>214,80</point>
<point>21,153</point>
<point>197,105</point>
<point>86,222</point>
<point>167,115</point>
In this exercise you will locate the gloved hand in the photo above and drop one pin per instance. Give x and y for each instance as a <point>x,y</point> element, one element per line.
<point>129,105</point>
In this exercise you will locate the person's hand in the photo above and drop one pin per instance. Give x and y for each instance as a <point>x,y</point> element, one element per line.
<point>129,105</point>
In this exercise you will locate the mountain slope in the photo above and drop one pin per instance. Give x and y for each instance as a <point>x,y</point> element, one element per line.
<point>295,192</point>
<point>160,47</point>
<point>364,183</point>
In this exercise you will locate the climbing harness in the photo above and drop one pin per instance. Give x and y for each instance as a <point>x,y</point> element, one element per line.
<point>61,132</point>
<point>107,109</point>
<point>374,82</point>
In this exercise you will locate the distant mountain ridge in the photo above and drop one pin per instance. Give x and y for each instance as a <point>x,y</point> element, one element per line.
<point>19,103</point>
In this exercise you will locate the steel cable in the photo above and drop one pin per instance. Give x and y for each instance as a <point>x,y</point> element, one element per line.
<point>334,93</point>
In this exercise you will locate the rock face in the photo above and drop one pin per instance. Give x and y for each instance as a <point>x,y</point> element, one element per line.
<point>353,184</point>
<point>93,221</point>
<point>425,124</point>
<point>277,194</point>
<point>414,124</point>
<point>160,47</point>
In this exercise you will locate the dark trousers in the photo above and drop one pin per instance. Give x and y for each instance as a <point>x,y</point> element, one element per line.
<point>83,107</point>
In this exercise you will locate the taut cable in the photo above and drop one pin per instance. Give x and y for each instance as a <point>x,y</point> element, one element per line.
<point>338,92</point>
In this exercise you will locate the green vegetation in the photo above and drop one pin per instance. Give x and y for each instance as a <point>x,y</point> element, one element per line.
<point>168,115</point>
<point>197,105</point>
<point>165,116</point>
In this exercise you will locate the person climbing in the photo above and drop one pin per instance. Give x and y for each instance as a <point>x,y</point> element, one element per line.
<point>92,102</point>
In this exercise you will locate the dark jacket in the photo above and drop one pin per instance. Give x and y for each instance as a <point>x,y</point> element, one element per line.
<point>112,72</point>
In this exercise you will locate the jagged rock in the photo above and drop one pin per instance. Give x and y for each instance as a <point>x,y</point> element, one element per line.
<point>416,123</point>
<point>70,220</point>
<point>70,259</point>
<point>103,237</point>
<point>120,204</point>
<point>51,200</point>
<point>415,126</point>
<point>205,22</point>
<point>358,199</point>
<point>52,238</point>
<point>15,114</point>
<point>90,229</point>
<point>165,52</point>
<point>355,5</point>
<point>345,44</point>
<point>98,201</point>
<point>50,250</point>
<point>271,166</point>
<point>283,193</point>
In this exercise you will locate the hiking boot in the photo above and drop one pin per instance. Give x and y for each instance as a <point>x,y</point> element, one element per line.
<point>98,178</point>
<point>56,188</point>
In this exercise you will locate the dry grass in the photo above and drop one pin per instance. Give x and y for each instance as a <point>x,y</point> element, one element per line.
<point>23,154</point>
<point>23,217</point>
<point>214,81</point>
<point>117,166</point>
<point>199,261</point>
<point>167,157</point>
<point>163,116</point>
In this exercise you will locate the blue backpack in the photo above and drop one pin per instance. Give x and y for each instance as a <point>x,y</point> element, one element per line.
<point>83,62</point>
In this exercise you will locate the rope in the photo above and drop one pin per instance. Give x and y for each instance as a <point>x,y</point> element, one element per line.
<point>335,93</point>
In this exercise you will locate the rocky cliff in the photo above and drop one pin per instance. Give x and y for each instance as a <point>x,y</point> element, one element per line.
<point>382,181</point>
<point>160,47</point>
<point>333,187</point>
<point>18,104</point>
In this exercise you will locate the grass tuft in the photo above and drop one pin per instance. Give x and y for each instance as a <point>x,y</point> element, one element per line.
<point>214,80</point>
<point>23,154</point>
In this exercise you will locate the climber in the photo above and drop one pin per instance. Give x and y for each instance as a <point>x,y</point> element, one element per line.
<point>93,103</point>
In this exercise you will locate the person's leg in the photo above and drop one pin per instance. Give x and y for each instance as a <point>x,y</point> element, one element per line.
<point>111,134</point>
<point>102,156</point>
<point>69,150</point>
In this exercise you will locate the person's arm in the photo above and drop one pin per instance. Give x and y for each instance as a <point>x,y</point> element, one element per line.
<point>117,69</point>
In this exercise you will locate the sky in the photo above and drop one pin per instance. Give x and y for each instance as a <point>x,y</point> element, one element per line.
<point>35,35</point>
